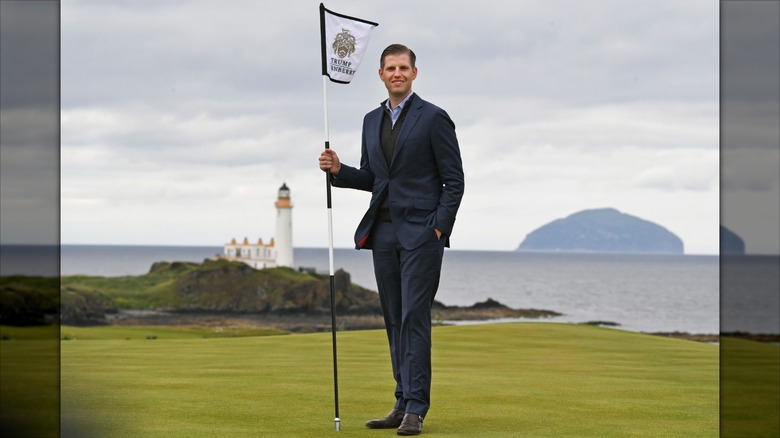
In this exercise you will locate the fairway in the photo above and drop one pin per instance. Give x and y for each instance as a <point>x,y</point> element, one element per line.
<point>493,380</point>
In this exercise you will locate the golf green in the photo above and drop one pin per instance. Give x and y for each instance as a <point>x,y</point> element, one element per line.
<point>492,380</point>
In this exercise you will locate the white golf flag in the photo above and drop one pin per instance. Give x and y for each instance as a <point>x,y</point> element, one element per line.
<point>344,41</point>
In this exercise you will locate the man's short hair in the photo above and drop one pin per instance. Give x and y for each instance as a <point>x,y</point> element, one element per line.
<point>395,50</point>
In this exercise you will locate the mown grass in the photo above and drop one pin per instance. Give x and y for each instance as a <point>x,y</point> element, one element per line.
<point>29,381</point>
<point>163,332</point>
<point>749,383</point>
<point>498,380</point>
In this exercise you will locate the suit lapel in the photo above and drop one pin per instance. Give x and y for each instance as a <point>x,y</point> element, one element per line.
<point>409,122</point>
<point>374,142</point>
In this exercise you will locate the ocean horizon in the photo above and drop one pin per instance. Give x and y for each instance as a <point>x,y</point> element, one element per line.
<point>650,293</point>
<point>638,292</point>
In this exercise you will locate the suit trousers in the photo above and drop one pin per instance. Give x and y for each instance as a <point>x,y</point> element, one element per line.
<point>407,281</point>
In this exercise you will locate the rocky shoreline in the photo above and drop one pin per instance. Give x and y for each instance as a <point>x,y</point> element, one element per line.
<point>699,337</point>
<point>307,322</point>
<point>231,294</point>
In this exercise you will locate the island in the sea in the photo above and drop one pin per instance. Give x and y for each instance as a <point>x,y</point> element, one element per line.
<point>602,230</point>
<point>730,242</point>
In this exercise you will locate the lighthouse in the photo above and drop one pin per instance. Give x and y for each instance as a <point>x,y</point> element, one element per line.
<point>283,235</point>
<point>277,252</point>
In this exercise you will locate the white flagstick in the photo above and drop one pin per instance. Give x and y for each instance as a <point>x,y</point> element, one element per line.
<point>336,420</point>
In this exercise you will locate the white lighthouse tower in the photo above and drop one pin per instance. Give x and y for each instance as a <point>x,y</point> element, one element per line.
<point>283,236</point>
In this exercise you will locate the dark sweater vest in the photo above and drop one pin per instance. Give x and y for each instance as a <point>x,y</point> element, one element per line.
<point>388,137</point>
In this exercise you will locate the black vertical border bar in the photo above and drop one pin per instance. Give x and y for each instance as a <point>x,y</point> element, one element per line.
<point>749,283</point>
<point>30,200</point>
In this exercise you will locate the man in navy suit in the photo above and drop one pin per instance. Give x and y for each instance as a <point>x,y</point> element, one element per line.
<point>410,162</point>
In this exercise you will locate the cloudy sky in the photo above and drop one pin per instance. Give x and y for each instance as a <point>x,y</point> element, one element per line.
<point>181,119</point>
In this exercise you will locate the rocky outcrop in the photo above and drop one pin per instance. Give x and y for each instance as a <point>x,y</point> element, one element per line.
<point>235,287</point>
<point>488,309</point>
<point>85,308</point>
<point>28,300</point>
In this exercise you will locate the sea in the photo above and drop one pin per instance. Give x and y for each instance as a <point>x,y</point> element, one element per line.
<point>643,293</point>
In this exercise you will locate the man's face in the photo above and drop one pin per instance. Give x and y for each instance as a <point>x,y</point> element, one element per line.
<point>398,74</point>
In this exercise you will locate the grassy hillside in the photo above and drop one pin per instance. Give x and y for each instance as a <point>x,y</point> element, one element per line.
<point>163,284</point>
<point>522,379</point>
<point>26,300</point>
<point>212,286</point>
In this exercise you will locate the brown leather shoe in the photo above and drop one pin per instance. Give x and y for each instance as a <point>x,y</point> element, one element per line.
<point>392,420</point>
<point>411,425</point>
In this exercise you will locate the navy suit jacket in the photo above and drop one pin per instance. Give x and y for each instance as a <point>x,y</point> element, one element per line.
<point>424,181</point>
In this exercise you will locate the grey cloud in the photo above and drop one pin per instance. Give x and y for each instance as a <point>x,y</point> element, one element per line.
<point>584,55</point>
<point>29,122</point>
<point>747,169</point>
<point>183,51</point>
<point>30,52</point>
<point>234,91</point>
<point>750,51</point>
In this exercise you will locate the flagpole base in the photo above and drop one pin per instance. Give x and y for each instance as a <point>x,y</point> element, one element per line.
<point>338,424</point>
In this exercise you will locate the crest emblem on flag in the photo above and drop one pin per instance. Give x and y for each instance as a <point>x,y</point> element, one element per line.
<point>344,44</point>
<point>344,41</point>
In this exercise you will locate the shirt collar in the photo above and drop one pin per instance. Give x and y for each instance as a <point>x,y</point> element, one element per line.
<point>400,106</point>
